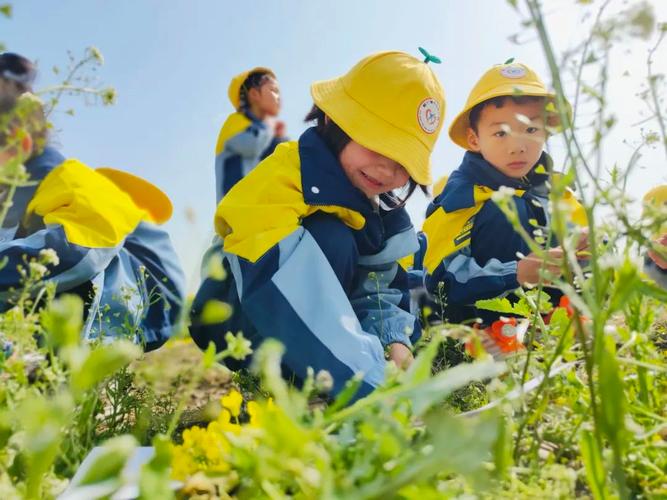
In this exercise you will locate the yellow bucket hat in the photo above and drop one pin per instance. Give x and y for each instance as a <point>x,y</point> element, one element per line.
<point>391,103</point>
<point>234,90</point>
<point>145,195</point>
<point>509,79</point>
<point>654,203</point>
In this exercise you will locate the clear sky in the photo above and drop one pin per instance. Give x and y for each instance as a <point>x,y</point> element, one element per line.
<point>171,61</point>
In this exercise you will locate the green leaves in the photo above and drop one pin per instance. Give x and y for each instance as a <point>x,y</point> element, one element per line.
<point>591,455</point>
<point>63,321</point>
<point>102,362</point>
<point>612,398</point>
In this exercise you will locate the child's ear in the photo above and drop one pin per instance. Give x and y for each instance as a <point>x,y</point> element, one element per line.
<point>253,94</point>
<point>473,140</point>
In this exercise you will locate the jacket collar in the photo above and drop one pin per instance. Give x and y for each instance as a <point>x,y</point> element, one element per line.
<point>482,173</point>
<point>474,171</point>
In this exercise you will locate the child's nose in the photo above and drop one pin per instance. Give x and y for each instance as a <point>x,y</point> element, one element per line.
<point>518,145</point>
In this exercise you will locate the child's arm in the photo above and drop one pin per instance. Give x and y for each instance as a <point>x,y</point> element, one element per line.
<point>655,265</point>
<point>463,280</point>
<point>381,299</point>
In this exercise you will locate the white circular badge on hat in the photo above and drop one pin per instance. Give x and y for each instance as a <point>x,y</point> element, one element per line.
<point>513,72</point>
<point>428,115</point>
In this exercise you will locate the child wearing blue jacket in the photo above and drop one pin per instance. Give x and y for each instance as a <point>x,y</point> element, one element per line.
<point>248,135</point>
<point>311,237</point>
<point>473,251</point>
<point>100,228</point>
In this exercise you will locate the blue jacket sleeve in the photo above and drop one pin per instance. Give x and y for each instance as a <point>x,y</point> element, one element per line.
<point>141,291</point>
<point>464,281</point>
<point>381,301</point>
<point>655,273</point>
<point>465,275</point>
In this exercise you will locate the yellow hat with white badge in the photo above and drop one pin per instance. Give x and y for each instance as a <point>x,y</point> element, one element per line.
<point>509,79</point>
<point>391,103</point>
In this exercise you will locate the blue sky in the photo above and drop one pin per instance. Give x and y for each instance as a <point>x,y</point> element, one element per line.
<point>171,62</point>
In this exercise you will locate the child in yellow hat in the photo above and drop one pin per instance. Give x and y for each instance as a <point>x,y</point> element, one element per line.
<point>250,133</point>
<point>473,251</point>
<point>655,263</point>
<point>93,233</point>
<point>313,233</point>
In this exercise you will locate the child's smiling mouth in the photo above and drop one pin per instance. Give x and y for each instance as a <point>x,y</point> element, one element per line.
<point>371,181</point>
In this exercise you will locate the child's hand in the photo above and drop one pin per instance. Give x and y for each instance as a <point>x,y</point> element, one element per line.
<point>583,244</point>
<point>656,257</point>
<point>528,268</point>
<point>401,355</point>
<point>279,128</point>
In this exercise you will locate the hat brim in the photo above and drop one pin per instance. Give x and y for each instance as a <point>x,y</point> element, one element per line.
<point>144,194</point>
<point>371,131</point>
<point>458,130</point>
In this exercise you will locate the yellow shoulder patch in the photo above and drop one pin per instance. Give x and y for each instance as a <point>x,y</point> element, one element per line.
<point>234,124</point>
<point>267,205</point>
<point>93,210</point>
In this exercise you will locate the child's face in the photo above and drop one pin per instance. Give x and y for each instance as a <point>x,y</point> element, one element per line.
<point>371,172</point>
<point>266,98</point>
<point>510,138</point>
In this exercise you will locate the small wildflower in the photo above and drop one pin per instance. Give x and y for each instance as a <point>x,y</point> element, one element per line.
<point>49,257</point>
<point>324,381</point>
<point>37,270</point>
<point>238,346</point>
<point>232,401</point>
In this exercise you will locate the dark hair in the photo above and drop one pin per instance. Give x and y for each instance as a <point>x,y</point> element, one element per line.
<point>499,102</point>
<point>18,73</point>
<point>253,81</point>
<point>336,139</point>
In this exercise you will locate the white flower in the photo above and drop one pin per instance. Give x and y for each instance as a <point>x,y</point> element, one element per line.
<point>49,257</point>
<point>504,193</point>
<point>37,270</point>
<point>324,381</point>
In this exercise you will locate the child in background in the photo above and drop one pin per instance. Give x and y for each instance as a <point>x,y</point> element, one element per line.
<point>655,264</point>
<point>313,234</point>
<point>473,251</point>
<point>249,134</point>
<point>97,230</point>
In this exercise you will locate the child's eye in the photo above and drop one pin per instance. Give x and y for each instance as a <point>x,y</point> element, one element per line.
<point>532,130</point>
<point>500,133</point>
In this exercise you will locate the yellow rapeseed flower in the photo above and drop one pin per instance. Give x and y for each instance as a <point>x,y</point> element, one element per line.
<point>232,402</point>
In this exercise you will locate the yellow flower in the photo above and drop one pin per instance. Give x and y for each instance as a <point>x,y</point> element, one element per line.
<point>225,423</point>
<point>232,402</point>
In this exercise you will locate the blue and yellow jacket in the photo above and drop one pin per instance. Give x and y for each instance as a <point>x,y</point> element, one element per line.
<point>284,287</point>
<point>471,247</point>
<point>103,226</point>
<point>242,142</point>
